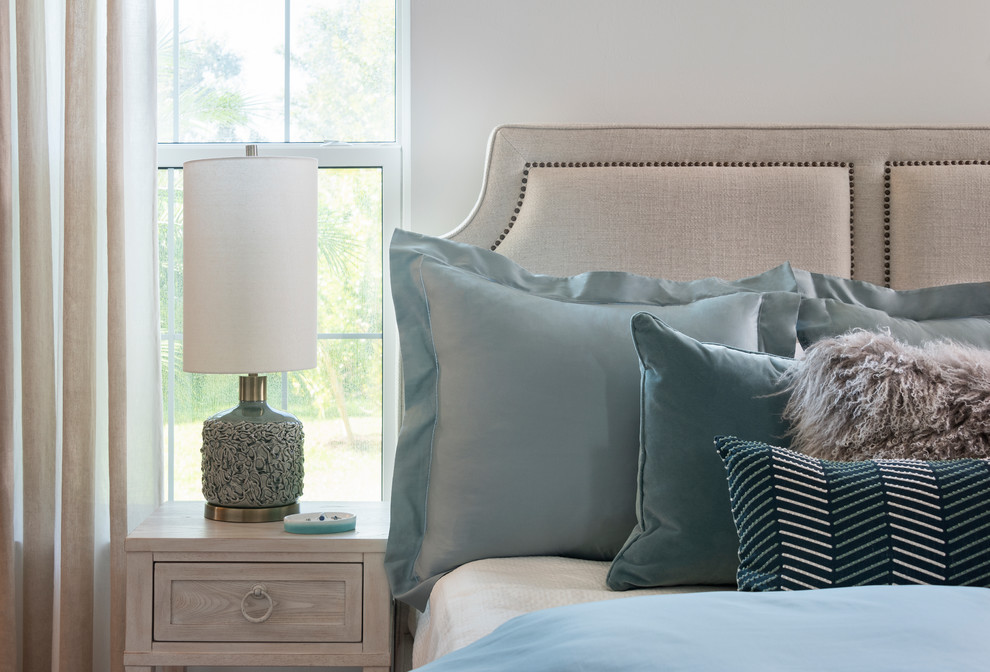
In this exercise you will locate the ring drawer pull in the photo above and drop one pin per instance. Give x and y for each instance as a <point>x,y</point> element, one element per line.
<point>258,592</point>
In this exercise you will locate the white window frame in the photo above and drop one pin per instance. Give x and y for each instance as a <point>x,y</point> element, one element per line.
<point>392,161</point>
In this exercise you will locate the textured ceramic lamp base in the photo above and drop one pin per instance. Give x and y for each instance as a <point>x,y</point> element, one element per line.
<point>252,464</point>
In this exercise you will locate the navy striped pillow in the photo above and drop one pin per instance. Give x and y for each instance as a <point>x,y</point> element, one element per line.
<point>810,523</point>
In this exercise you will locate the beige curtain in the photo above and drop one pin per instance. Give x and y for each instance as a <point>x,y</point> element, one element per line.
<point>80,406</point>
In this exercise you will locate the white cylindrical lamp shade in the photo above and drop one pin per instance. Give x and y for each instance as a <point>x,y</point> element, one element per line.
<point>249,264</point>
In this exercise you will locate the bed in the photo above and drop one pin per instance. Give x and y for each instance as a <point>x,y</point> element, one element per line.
<point>661,403</point>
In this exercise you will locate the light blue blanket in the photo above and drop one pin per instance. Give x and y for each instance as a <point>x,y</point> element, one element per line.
<point>871,628</point>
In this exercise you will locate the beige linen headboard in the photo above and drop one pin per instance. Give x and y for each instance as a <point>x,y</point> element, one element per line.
<point>902,206</point>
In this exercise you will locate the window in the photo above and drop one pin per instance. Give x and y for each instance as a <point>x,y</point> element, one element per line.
<point>298,77</point>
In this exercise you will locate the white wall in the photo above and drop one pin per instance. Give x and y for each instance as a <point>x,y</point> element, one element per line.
<point>479,63</point>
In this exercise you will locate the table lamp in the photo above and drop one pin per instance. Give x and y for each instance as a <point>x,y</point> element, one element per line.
<point>249,278</point>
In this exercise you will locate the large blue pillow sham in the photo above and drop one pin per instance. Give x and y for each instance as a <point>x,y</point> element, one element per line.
<point>834,305</point>
<point>521,391</point>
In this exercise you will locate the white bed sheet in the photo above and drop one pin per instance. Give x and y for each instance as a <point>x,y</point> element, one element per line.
<point>474,599</point>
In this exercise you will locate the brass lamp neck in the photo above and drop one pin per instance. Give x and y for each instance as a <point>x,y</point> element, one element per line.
<point>253,387</point>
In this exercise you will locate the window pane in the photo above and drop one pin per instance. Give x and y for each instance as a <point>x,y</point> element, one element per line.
<point>228,71</point>
<point>166,71</point>
<point>343,70</point>
<point>350,241</point>
<point>340,406</point>
<point>164,218</point>
<point>170,247</point>
<point>230,75</point>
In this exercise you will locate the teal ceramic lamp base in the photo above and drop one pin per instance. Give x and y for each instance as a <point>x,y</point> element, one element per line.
<point>252,460</point>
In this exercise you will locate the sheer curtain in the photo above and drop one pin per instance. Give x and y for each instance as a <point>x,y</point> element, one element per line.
<point>80,392</point>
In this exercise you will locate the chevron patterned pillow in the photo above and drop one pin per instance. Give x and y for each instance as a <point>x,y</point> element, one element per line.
<point>810,523</point>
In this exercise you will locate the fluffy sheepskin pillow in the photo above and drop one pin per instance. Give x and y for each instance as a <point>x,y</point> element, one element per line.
<point>865,395</point>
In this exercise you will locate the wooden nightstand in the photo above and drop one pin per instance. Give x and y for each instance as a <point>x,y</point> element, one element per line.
<point>202,592</point>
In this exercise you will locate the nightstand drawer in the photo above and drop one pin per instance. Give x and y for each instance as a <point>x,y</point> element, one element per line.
<point>257,602</point>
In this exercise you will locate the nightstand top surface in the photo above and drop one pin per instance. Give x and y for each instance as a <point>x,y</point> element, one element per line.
<point>180,526</point>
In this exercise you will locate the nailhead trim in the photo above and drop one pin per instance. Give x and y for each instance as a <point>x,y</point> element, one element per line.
<point>515,212</point>
<point>886,220</point>
<point>886,198</point>
<point>698,164</point>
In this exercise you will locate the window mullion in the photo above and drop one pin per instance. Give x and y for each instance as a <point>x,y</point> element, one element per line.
<point>170,308</point>
<point>175,79</point>
<point>336,155</point>
<point>287,65</point>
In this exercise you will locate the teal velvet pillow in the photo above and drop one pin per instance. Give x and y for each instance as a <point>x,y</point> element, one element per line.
<point>836,305</point>
<point>691,392</point>
<point>521,391</point>
<point>810,523</point>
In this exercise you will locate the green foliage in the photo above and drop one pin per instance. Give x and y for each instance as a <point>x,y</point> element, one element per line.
<point>345,56</point>
<point>342,84</point>
<point>212,107</point>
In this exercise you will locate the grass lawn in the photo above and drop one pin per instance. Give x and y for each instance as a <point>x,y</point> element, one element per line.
<point>336,469</point>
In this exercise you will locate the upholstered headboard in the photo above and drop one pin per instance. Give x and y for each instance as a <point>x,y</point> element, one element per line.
<point>902,206</point>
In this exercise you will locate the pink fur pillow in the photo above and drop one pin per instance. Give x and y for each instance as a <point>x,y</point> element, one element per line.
<point>865,395</point>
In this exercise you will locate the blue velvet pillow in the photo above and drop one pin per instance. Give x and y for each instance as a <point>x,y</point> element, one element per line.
<point>810,523</point>
<point>691,392</point>
<point>521,391</point>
